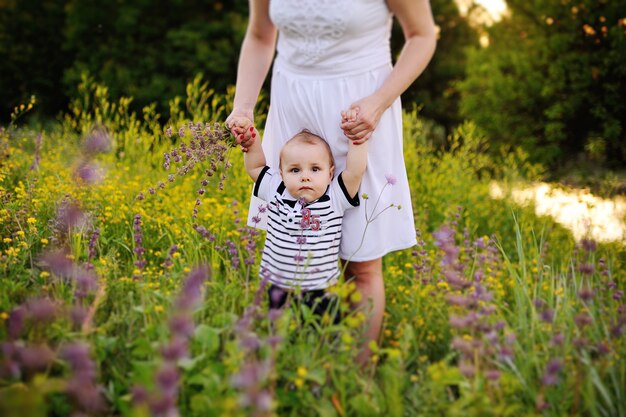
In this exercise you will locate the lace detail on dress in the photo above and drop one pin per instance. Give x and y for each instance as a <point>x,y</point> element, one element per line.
<point>313,25</point>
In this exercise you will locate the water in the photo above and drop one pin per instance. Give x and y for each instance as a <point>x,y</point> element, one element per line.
<point>585,215</point>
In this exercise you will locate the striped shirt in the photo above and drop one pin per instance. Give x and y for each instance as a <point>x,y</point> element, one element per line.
<point>302,241</point>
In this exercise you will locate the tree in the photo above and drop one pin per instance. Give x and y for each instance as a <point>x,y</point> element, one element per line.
<point>31,57</point>
<point>436,89</point>
<point>150,49</point>
<point>553,80</point>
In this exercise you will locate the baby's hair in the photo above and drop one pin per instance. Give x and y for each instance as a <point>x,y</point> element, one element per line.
<point>308,137</point>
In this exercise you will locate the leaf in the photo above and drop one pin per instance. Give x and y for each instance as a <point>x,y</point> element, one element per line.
<point>363,406</point>
<point>317,375</point>
<point>143,372</point>
<point>18,400</point>
<point>142,348</point>
<point>189,363</point>
<point>209,338</point>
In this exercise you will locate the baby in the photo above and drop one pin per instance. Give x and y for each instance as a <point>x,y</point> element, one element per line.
<point>306,203</point>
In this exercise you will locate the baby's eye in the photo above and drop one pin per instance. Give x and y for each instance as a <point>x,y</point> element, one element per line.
<point>294,170</point>
<point>315,169</point>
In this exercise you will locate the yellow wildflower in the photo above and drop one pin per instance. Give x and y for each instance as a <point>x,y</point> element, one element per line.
<point>442,285</point>
<point>302,372</point>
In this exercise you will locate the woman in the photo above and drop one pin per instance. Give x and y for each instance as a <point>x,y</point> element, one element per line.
<point>333,56</point>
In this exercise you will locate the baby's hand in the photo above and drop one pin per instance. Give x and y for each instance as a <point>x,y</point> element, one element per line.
<point>349,115</point>
<point>247,139</point>
<point>242,129</point>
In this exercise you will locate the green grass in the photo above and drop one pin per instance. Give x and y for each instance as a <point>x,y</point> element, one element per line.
<point>310,370</point>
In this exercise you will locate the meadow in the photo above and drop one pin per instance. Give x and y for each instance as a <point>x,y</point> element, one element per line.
<point>131,289</point>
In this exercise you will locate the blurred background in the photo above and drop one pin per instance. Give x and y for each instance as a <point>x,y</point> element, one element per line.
<point>545,75</point>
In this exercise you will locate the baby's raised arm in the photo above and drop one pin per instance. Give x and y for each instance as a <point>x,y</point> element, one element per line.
<point>254,158</point>
<point>356,163</point>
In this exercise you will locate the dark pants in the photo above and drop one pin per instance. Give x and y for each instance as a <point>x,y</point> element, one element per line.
<point>319,301</point>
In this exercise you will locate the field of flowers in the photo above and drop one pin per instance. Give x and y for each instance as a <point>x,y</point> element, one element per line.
<point>130,287</point>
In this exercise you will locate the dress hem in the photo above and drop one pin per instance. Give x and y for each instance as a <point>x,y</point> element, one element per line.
<point>401,246</point>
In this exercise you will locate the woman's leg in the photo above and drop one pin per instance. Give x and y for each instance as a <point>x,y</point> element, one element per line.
<point>368,277</point>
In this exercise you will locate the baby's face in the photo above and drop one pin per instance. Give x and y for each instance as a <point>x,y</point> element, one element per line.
<point>306,171</point>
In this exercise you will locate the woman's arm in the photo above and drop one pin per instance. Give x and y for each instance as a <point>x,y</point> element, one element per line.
<point>418,26</point>
<point>255,58</point>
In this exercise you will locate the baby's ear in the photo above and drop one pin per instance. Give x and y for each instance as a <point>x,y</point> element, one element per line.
<point>332,172</point>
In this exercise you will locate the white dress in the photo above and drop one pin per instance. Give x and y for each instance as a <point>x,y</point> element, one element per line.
<point>331,53</point>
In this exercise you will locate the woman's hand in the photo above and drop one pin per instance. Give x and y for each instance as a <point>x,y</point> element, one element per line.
<point>240,124</point>
<point>368,112</point>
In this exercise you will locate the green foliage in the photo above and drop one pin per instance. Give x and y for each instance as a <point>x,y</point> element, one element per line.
<point>151,49</point>
<point>436,91</point>
<point>31,54</point>
<point>552,80</point>
<point>312,371</point>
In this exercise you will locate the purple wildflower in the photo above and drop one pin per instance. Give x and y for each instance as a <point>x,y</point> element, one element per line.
<point>69,215</point>
<point>42,310</point>
<point>181,325</point>
<point>82,386</point>
<point>589,245</point>
<point>86,283</point>
<point>98,141</point>
<point>551,373</point>
<point>547,315</point>
<point>205,233</point>
<point>78,315</point>
<point>582,320</point>
<point>492,374</point>
<point>89,172</point>
<point>35,358</point>
<point>391,179</point>
<point>167,379</point>
<point>192,287</point>
<point>459,300</point>
<point>58,263</point>
<point>139,395</point>
<point>37,159</point>
<point>140,263</point>
<point>557,339</point>
<point>467,369</point>
<point>15,322</point>
<point>176,349</point>
<point>586,268</point>
<point>170,254</point>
